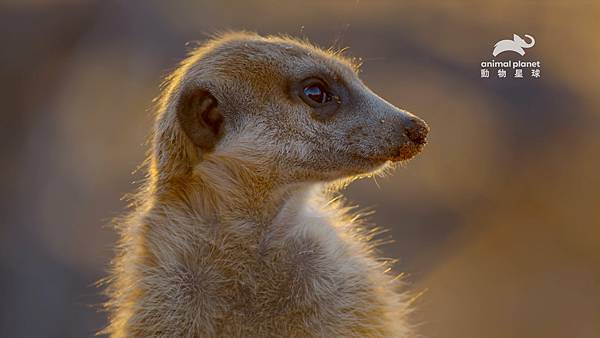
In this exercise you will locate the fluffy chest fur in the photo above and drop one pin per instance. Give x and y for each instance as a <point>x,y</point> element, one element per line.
<point>308,273</point>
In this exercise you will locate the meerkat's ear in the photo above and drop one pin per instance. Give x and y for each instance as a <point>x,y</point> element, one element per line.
<point>200,118</point>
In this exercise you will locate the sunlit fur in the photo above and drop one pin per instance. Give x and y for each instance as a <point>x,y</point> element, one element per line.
<point>245,240</point>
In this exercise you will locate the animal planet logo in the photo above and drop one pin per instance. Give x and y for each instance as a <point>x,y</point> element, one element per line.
<point>502,68</point>
<point>517,45</point>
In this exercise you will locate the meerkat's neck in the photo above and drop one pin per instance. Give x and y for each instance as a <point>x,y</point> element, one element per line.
<point>227,192</point>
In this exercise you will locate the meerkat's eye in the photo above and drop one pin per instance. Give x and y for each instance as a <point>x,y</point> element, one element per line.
<point>317,93</point>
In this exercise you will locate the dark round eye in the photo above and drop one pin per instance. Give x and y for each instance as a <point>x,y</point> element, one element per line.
<point>317,93</point>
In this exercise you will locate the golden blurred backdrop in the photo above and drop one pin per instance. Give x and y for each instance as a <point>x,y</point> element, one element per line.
<point>496,222</point>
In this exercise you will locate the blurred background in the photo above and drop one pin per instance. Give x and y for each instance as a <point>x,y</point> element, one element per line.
<point>496,222</point>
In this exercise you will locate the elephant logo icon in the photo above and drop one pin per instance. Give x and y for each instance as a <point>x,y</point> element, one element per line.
<point>517,45</point>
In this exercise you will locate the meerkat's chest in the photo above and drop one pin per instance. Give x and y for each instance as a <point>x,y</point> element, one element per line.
<point>280,281</point>
<point>294,284</point>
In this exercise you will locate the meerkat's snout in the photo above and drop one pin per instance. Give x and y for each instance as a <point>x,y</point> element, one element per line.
<point>398,135</point>
<point>416,130</point>
<point>414,136</point>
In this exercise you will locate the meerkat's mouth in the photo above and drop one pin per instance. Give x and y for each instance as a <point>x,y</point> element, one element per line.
<point>403,153</point>
<point>407,151</point>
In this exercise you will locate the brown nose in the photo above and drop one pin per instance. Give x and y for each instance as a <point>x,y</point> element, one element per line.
<point>416,130</point>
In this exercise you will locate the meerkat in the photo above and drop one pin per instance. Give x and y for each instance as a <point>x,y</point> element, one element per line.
<point>235,232</point>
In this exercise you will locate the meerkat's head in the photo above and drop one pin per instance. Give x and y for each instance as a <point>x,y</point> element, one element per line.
<point>281,104</point>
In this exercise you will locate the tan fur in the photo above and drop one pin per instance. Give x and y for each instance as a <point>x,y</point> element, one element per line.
<point>246,241</point>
